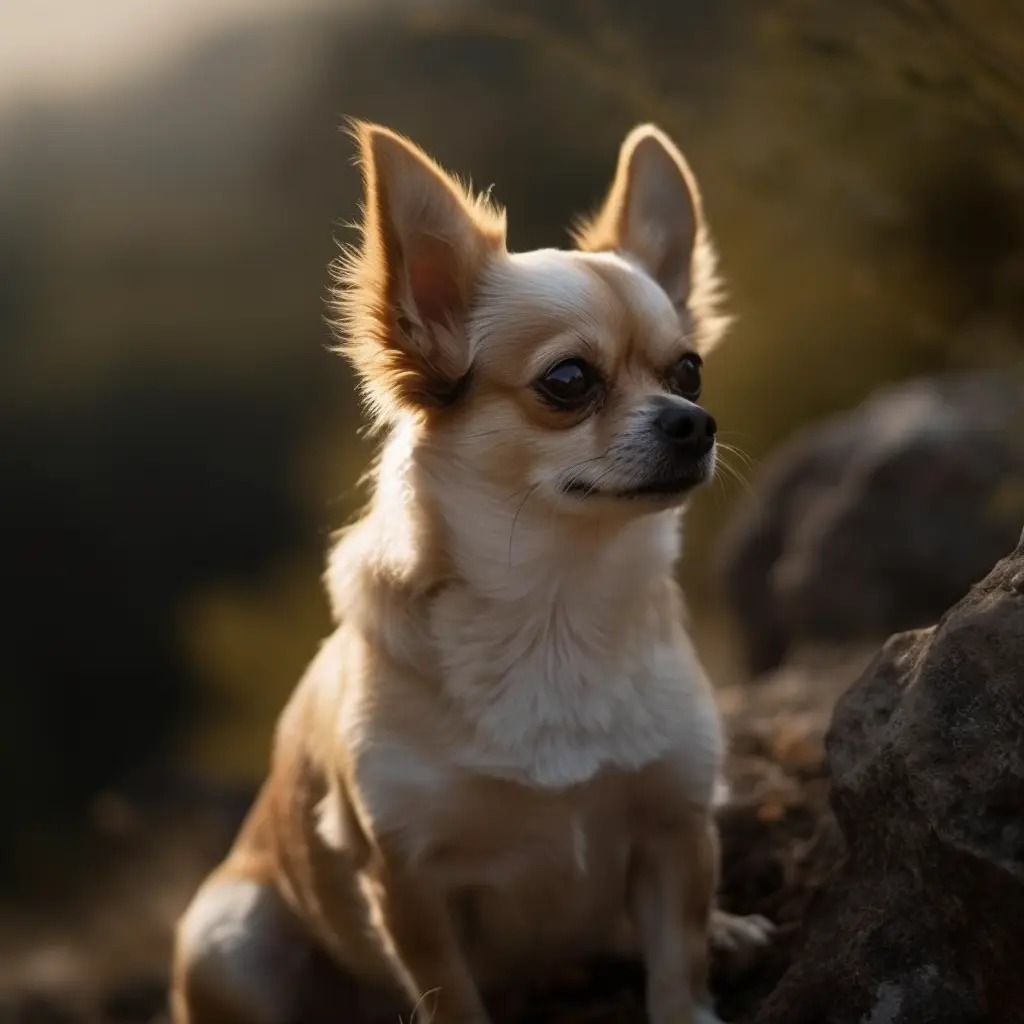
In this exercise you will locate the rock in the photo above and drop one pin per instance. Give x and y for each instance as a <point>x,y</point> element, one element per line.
<point>923,919</point>
<point>879,519</point>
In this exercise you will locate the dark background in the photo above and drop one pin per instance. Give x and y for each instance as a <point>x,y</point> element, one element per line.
<point>176,440</point>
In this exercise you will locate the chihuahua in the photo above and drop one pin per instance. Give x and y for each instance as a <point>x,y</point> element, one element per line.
<point>505,757</point>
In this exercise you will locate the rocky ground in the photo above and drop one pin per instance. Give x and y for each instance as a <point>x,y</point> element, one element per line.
<point>102,959</point>
<point>877,814</point>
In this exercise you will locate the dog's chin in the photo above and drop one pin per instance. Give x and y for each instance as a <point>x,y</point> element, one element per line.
<point>661,490</point>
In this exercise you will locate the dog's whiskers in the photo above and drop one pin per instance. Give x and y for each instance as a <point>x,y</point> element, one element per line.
<point>414,1017</point>
<point>515,519</point>
<point>531,489</point>
<point>732,473</point>
<point>747,460</point>
<point>479,435</point>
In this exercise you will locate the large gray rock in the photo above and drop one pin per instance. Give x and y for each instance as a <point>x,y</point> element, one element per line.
<point>923,921</point>
<point>879,519</point>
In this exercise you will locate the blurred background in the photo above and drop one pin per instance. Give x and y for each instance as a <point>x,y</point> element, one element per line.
<point>176,441</point>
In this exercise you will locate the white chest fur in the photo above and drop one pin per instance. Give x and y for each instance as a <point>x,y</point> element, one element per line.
<point>553,666</point>
<point>544,705</point>
<point>553,700</point>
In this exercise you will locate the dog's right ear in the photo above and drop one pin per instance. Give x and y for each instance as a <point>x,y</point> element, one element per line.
<point>653,214</point>
<point>405,294</point>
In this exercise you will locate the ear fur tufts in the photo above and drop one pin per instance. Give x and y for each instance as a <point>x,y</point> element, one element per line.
<point>402,294</point>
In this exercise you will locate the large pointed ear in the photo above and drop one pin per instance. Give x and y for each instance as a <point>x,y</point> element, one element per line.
<point>404,295</point>
<point>653,215</point>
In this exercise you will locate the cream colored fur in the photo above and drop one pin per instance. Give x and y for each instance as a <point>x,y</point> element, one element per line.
<point>506,755</point>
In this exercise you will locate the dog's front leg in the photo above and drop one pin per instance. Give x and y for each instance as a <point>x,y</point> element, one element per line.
<point>672,886</point>
<point>419,937</point>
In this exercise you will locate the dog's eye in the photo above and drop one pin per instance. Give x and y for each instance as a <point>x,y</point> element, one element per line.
<point>684,379</point>
<point>570,384</point>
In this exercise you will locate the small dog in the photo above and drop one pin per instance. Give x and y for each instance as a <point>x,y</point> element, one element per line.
<point>504,758</point>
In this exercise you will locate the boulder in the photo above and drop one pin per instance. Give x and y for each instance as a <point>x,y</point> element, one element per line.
<point>923,918</point>
<point>879,519</point>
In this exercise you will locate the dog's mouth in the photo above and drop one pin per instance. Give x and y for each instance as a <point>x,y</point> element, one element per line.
<point>651,490</point>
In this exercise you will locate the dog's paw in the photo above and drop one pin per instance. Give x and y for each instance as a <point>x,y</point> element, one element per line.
<point>740,939</point>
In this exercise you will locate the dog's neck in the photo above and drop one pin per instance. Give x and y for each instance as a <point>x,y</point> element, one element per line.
<point>432,525</point>
<point>556,636</point>
<point>508,548</point>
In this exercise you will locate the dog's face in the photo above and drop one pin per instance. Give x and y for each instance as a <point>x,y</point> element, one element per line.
<point>571,377</point>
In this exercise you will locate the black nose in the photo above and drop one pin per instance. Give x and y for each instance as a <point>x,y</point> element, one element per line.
<point>688,426</point>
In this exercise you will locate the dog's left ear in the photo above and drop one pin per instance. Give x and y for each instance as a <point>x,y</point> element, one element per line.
<point>405,295</point>
<point>653,214</point>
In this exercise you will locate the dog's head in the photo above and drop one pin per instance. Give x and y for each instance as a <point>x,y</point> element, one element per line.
<point>572,376</point>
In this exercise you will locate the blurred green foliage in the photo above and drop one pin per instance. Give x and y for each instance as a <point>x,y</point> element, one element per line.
<point>177,442</point>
